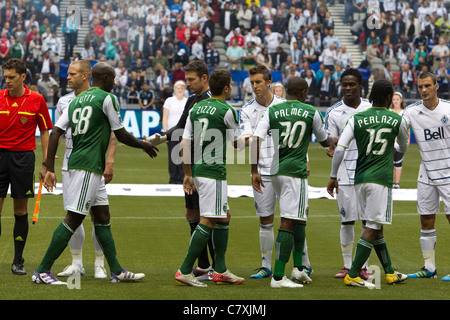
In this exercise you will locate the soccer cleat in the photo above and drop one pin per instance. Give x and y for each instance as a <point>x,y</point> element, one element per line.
<point>261,273</point>
<point>423,273</point>
<point>100,272</point>
<point>300,276</point>
<point>71,270</point>
<point>366,275</point>
<point>396,277</point>
<point>126,276</point>
<point>203,274</point>
<point>358,282</point>
<point>45,278</point>
<point>188,279</point>
<point>284,283</point>
<point>342,274</point>
<point>226,278</point>
<point>18,269</point>
<point>446,278</point>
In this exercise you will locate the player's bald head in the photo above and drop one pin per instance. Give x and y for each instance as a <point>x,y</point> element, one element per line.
<point>103,76</point>
<point>297,88</point>
<point>101,69</point>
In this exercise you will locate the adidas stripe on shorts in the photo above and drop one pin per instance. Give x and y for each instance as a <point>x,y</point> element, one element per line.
<point>85,189</point>
<point>293,197</point>
<point>213,197</point>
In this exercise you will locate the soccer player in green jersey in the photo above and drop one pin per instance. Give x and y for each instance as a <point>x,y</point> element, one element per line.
<point>375,131</point>
<point>210,124</point>
<point>291,123</point>
<point>92,115</point>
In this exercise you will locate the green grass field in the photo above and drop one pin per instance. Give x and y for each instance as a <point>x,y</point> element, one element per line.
<point>152,236</point>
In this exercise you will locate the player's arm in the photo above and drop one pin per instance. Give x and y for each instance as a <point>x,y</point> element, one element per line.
<point>44,142</point>
<point>161,137</point>
<point>343,143</point>
<point>259,134</point>
<point>110,155</point>
<point>128,139</point>
<point>402,142</point>
<point>53,142</point>
<point>185,152</point>
<point>322,136</point>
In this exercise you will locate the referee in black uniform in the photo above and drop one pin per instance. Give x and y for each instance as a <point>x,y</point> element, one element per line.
<point>197,77</point>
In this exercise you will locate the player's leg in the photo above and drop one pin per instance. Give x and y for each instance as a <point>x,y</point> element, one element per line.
<point>265,208</point>
<point>287,190</point>
<point>99,263</point>
<point>427,206</point>
<point>204,267</point>
<point>77,240</point>
<point>20,233</point>
<point>58,244</point>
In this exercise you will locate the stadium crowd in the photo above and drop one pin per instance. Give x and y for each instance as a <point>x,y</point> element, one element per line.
<point>149,41</point>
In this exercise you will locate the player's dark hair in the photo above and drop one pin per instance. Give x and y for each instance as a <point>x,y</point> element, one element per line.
<point>352,72</point>
<point>197,66</point>
<point>380,93</point>
<point>218,80</point>
<point>17,64</point>
<point>260,69</point>
<point>427,74</point>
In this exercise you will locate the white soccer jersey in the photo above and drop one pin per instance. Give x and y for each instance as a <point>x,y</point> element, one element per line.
<point>61,106</point>
<point>432,131</point>
<point>336,118</point>
<point>249,117</point>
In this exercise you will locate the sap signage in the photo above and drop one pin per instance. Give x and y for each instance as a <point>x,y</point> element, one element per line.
<point>139,123</point>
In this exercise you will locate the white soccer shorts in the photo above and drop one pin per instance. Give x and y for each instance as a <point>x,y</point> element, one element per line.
<point>213,197</point>
<point>376,202</point>
<point>428,198</point>
<point>347,202</point>
<point>292,194</point>
<point>85,189</point>
<point>265,202</point>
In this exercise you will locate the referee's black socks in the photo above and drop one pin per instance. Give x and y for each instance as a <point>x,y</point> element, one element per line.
<point>20,234</point>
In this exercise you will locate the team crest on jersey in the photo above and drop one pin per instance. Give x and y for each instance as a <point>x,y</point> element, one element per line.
<point>444,119</point>
<point>23,120</point>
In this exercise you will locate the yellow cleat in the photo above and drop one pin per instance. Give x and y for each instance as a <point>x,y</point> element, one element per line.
<point>396,277</point>
<point>358,282</point>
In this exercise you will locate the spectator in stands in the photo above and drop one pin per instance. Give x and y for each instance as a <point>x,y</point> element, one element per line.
<point>235,55</point>
<point>122,24</point>
<point>373,51</point>
<point>227,20</point>
<point>312,86</point>
<point>272,40</point>
<point>327,88</point>
<point>70,31</point>
<point>182,57</point>
<point>329,57</point>
<point>388,75</point>
<point>16,49</point>
<point>197,49</point>
<point>160,62</point>
<point>212,57</point>
<point>364,69</point>
<point>440,52</point>
<point>109,29</point>
<point>309,53</point>
<point>407,81</point>
<point>279,58</point>
<point>178,73</point>
<point>146,98</point>
<point>443,25</point>
<point>208,29</point>
<point>182,33</point>
<point>132,95</point>
<point>443,79</point>
<point>244,16</point>
<point>168,50</point>
<point>281,24</point>
<point>296,54</point>
<point>48,87</point>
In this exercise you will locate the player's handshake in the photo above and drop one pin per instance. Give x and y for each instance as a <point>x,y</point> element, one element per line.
<point>150,149</point>
<point>157,138</point>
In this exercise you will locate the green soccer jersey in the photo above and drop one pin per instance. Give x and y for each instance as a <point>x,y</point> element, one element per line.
<point>211,122</point>
<point>291,124</point>
<point>375,131</point>
<point>91,116</point>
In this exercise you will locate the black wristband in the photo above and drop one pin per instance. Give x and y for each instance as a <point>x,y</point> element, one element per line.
<point>44,164</point>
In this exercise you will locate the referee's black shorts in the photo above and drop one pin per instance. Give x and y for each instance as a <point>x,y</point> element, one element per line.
<point>17,170</point>
<point>191,200</point>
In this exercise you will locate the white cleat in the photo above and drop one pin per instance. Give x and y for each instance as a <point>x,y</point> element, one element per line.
<point>71,270</point>
<point>300,276</point>
<point>100,272</point>
<point>188,279</point>
<point>126,276</point>
<point>46,278</point>
<point>284,283</point>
